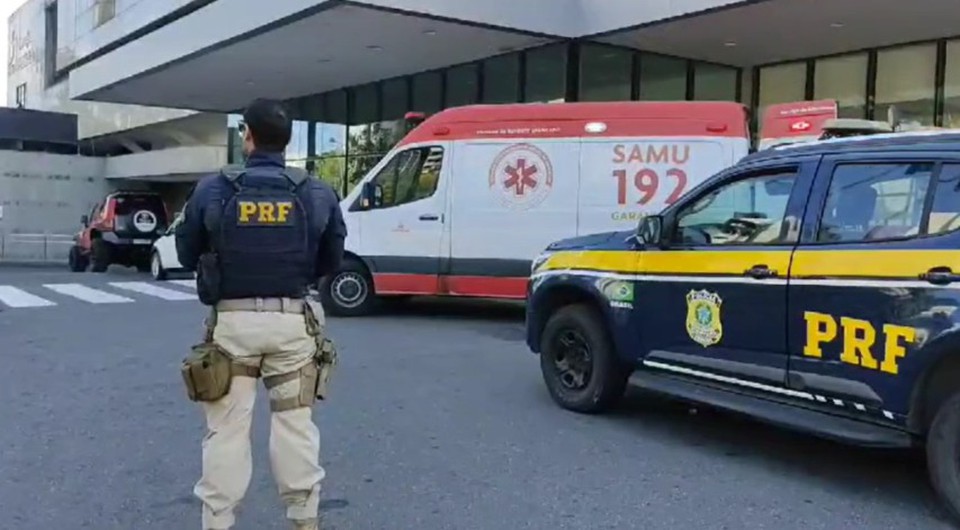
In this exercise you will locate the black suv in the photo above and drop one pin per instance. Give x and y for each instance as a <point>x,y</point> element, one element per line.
<point>121,229</point>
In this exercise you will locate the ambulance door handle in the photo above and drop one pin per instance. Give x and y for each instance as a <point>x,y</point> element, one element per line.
<point>940,276</point>
<point>760,272</point>
<point>429,217</point>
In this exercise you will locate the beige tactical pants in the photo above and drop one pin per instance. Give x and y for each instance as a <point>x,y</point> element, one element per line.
<point>279,344</point>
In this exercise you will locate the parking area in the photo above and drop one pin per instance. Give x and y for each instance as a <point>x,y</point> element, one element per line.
<point>438,420</point>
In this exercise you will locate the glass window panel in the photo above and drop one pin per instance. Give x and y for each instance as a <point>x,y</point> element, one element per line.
<point>662,78</point>
<point>748,211</point>
<point>335,106</point>
<point>501,79</point>
<point>234,142</point>
<point>714,82</point>
<point>951,87</point>
<point>783,83</point>
<point>906,78</point>
<point>364,105</point>
<point>605,73</point>
<point>364,114</point>
<point>394,104</point>
<point>945,213</point>
<point>297,148</point>
<point>331,133</point>
<point>463,85</point>
<point>869,202</point>
<point>427,92</point>
<point>394,99</point>
<point>546,74</point>
<point>845,80</point>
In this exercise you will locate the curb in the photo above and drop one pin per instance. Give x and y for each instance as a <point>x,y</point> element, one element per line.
<point>10,264</point>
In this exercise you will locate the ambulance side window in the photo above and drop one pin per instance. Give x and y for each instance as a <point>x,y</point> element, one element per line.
<point>874,202</point>
<point>945,211</point>
<point>749,211</point>
<point>409,176</point>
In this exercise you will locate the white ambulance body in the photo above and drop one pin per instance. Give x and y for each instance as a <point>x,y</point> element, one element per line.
<point>462,205</point>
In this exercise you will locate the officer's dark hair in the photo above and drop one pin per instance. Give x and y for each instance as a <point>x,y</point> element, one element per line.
<point>269,124</point>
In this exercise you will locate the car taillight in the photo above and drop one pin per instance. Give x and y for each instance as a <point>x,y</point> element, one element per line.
<point>110,216</point>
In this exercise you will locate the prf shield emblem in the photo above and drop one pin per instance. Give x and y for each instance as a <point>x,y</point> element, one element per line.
<point>703,317</point>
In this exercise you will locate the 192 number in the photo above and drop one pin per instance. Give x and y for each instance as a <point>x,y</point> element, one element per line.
<point>647,182</point>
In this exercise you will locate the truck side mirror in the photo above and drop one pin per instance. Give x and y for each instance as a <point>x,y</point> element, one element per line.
<point>650,231</point>
<point>84,220</point>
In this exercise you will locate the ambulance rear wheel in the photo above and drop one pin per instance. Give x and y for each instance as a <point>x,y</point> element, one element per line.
<point>349,292</point>
<point>579,363</point>
<point>943,455</point>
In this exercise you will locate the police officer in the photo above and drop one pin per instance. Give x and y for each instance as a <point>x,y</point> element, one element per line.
<point>258,236</point>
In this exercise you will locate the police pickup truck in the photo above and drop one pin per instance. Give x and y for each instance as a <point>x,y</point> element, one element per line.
<point>813,286</point>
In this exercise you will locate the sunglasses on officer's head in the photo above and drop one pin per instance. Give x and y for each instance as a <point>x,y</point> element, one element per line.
<point>241,129</point>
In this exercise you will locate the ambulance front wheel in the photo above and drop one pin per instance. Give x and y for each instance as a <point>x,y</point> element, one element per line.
<point>943,455</point>
<point>578,361</point>
<point>349,292</point>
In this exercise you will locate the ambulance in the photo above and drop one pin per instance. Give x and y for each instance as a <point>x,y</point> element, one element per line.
<point>795,122</point>
<point>466,201</point>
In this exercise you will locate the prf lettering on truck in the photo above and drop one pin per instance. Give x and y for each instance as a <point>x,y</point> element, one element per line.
<point>642,185</point>
<point>271,213</point>
<point>862,344</point>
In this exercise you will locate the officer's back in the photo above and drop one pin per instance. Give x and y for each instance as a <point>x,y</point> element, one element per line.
<point>257,237</point>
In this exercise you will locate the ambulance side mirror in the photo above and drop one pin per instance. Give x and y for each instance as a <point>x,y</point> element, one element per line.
<point>372,196</point>
<point>650,231</point>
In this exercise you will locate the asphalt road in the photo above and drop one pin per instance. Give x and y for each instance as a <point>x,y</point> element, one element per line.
<point>439,420</point>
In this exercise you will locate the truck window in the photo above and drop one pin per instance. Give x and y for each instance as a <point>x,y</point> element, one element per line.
<point>871,202</point>
<point>410,176</point>
<point>945,212</point>
<point>746,211</point>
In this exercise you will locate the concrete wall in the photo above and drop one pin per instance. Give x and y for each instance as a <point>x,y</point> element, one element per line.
<point>26,35</point>
<point>42,197</point>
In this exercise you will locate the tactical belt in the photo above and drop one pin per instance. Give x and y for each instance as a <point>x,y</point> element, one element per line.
<point>272,305</point>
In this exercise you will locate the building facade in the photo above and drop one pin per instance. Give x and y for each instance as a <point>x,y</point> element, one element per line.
<point>350,69</point>
<point>141,146</point>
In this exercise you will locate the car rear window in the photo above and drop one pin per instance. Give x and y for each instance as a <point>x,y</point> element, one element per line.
<point>130,204</point>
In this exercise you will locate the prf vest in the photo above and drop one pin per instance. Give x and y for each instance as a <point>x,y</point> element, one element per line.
<point>262,240</point>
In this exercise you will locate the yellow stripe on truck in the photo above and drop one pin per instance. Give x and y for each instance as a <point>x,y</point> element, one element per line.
<point>730,262</point>
<point>892,264</point>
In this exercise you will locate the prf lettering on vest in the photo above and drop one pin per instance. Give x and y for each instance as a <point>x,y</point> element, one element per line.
<point>859,339</point>
<point>264,212</point>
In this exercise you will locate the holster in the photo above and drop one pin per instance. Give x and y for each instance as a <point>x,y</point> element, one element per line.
<point>326,354</point>
<point>208,279</point>
<point>208,370</point>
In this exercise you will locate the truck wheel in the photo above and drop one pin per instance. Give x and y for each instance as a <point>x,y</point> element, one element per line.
<point>943,455</point>
<point>77,261</point>
<point>349,292</point>
<point>100,253</point>
<point>578,361</point>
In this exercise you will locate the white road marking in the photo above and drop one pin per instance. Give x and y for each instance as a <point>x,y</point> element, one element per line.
<point>153,290</point>
<point>87,294</point>
<point>184,283</point>
<point>13,297</point>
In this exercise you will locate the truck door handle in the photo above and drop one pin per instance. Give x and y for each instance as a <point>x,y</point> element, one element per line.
<point>429,217</point>
<point>940,276</point>
<point>760,272</point>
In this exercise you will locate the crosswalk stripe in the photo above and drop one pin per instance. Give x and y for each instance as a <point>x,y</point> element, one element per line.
<point>13,297</point>
<point>153,290</point>
<point>184,283</point>
<point>94,296</point>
